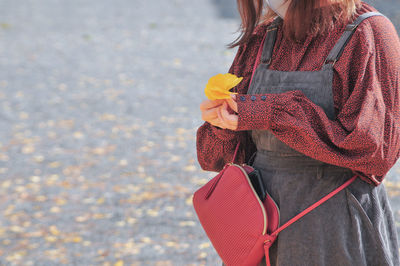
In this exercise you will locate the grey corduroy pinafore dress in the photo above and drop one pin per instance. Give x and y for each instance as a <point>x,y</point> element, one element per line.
<point>356,226</point>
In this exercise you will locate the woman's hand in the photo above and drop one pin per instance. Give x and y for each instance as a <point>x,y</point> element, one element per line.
<point>220,113</point>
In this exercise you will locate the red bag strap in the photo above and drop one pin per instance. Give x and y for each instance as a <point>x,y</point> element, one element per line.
<point>258,58</point>
<point>260,49</point>
<point>315,205</point>
<point>270,239</point>
<point>236,151</point>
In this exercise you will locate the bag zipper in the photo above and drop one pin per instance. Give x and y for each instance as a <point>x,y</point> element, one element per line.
<point>255,194</point>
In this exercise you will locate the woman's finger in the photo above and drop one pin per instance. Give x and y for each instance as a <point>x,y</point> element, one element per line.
<point>208,104</point>
<point>221,119</point>
<point>229,120</point>
<point>232,104</point>
<point>209,114</point>
<point>216,122</point>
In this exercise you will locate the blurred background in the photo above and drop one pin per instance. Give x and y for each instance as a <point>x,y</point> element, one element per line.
<point>99,107</point>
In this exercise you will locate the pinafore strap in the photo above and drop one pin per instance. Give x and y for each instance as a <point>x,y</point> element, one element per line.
<point>335,53</point>
<point>270,41</point>
<point>337,50</point>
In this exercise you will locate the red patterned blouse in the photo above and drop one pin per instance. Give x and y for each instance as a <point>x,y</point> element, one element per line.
<point>365,135</point>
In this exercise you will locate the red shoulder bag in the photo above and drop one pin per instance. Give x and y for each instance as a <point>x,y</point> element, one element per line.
<point>239,225</point>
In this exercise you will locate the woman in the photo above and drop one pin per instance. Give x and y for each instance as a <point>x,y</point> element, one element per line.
<point>318,104</point>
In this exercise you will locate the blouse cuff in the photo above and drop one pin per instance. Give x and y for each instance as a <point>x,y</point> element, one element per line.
<point>256,111</point>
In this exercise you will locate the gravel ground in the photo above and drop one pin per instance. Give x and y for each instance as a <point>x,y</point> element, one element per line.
<point>99,110</point>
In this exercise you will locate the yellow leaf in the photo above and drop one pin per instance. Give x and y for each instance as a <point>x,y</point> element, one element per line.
<point>78,135</point>
<point>170,208</point>
<point>82,218</point>
<point>6,184</point>
<point>108,117</point>
<point>35,179</point>
<point>219,85</point>
<point>189,201</point>
<point>60,201</point>
<point>65,184</point>
<point>146,240</point>
<point>149,180</point>
<point>190,168</point>
<point>27,149</point>
<point>100,201</point>
<point>55,209</point>
<point>202,255</point>
<point>171,244</point>
<point>119,263</point>
<point>98,216</point>
<point>204,245</point>
<point>187,223</point>
<point>17,229</point>
<point>76,239</point>
<point>131,220</point>
<point>38,158</point>
<point>54,230</point>
<point>41,198</point>
<point>152,212</point>
<point>51,238</point>
<point>54,164</point>
<point>23,115</point>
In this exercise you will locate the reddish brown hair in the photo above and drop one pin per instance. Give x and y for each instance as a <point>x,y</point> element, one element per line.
<point>303,17</point>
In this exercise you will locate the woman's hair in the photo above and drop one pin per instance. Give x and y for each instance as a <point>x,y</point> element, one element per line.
<point>303,17</point>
